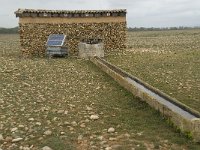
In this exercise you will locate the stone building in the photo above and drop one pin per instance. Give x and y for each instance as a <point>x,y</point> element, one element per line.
<point>36,25</point>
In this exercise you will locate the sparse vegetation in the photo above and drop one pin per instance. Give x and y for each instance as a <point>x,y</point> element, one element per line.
<point>162,28</point>
<point>168,60</point>
<point>50,102</point>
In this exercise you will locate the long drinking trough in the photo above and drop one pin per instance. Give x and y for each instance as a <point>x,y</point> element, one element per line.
<point>182,116</point>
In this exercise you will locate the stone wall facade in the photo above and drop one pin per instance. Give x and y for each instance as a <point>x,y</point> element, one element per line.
<point>34,32</point>
<point>33,37</point>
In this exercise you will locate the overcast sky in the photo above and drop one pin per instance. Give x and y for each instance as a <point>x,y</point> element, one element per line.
<point>141,13</point>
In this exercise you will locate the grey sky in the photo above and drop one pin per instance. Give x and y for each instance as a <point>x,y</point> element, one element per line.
<point>141,13</point>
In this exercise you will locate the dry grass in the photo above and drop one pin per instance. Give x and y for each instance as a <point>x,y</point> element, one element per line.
<point>60,95</point>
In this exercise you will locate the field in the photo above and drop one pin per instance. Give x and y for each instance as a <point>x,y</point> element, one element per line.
<point>168,60</point>
<point>51,102</point>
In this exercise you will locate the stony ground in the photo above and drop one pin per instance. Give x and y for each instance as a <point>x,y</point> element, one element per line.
<point>168,60</point>
<point>69,103</point>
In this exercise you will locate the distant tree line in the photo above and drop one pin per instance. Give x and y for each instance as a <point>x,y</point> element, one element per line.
<point>9,30</point>
<point>161,29</point>
<point>15,30</point>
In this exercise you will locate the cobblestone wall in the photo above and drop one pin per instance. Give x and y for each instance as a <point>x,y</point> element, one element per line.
<point>33,36</point>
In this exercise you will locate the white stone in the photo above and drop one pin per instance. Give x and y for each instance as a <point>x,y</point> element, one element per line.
<point>94,117</point>
<point>71,128</point>
<point>112,139</point>
<point>14,129</point>
<point>26,128</point>
<point>139,133</point>
<point>55,118</point>
<point>13,146</point>
<point>46,148</point>
<point>66,123</point>
<point>26,148</point>
<point>103,142</point>
<point>98,88</point>
<point>1,101</point>
<point>82,125</point>
<point>87,120</point>
<point>108,148</point>
<point>48,132</point>
<point>22,109</point>
<point>60,111</point>
<point>111,130</point>
<point>3,116</point>
<point>88,108</point>
<point>1,137</point>
<point>74,123</point>
<point>100,138</point>
<point>17,140</point>
<point>80,137</point>
<point>48,122</point>
<point>127,135</point>
<point>21,126</point>
<point>38,123</point>
<point>31,119</point>
<point>66,112</point>
<point>116,146</point>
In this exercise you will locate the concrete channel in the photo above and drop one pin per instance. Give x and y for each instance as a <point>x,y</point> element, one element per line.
<point>182,116</point>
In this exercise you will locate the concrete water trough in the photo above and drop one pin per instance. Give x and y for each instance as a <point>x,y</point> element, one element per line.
<point>182,116</point>
<point>90,48</point>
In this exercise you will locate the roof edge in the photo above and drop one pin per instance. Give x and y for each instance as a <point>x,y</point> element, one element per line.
<point>22,12</point>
